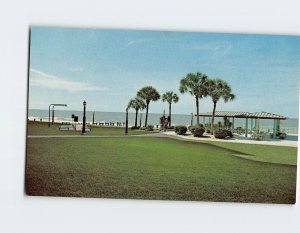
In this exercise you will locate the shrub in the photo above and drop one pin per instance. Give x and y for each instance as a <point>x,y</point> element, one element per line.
<point>207,130</point>
<point>193,127</point>
<point>198,132</point>
<point>180,129</point>
<point>149,128</point>
<point>282,135</point>
<point>170,128</point>
<point>135,128</point>
<point>223,133</point>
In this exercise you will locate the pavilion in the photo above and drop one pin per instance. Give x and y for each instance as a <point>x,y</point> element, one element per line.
<point>247,115</point>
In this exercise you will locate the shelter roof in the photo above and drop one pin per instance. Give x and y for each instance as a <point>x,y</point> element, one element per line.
<point>257,115</point>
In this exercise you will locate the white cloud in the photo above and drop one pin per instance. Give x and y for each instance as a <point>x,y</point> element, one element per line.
<point>40,79</point>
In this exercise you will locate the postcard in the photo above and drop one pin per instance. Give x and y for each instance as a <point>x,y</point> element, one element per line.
<point>162,115</point>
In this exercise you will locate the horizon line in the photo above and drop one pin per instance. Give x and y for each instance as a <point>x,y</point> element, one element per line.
<point>166,112</point>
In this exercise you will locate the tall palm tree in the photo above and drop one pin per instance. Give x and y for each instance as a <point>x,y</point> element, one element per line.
<point>148,93</point>
<point>170,97</point>
<point>196,84</point>
<point>219,89</point>
<point>137,104</point>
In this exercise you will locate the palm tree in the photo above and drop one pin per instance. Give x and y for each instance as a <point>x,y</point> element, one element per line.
<point>137,104</point>
<point>218,89</point>
<point>148,93</point>
<point>170,97</point>
<point>196,84</point>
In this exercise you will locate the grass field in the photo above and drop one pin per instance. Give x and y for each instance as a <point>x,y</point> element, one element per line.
<point>159,168</point>
<point>41,128</point>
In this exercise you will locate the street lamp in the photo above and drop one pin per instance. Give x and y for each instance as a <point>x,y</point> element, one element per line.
<point>63,105</point>
<point>83,121</point>
<point>126,126</point>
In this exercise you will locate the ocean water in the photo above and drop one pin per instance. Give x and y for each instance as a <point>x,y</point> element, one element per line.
<point>289,126</point>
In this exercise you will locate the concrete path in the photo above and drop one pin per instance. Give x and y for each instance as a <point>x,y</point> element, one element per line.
<point>172,134</point>
<point>278,142</point>
<point>157,135</point>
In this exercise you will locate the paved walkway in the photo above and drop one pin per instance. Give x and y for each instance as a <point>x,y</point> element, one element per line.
<point>278,142</point>
<point>172,134</point>
<point>157,135</point>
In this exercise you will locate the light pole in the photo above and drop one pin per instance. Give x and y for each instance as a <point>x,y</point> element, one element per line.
<point>63,105</point>
<point>83,126</point>
<point>52,114</point>
<point>93,117</point>
<point>126,124</point>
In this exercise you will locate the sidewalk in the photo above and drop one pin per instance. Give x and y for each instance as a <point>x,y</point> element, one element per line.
<point>275,142</point>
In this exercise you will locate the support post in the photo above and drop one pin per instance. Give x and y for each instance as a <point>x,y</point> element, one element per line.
<point>246,128</point>
<point>232,123</point>
<point>274,129</point>
<point>49,116</point>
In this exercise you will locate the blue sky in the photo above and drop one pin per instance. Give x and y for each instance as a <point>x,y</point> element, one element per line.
<point>107,67</point>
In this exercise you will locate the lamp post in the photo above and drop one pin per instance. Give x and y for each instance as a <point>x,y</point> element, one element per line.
<point>63,105</point>
<point>52,114</point>
<point>83,121</point>
<point>126,124</point>
<point>93,117</point>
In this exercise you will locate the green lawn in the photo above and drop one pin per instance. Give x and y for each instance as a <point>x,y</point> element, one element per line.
<point>263,153</point>
<point>158,168</point>
<point>41,128</point>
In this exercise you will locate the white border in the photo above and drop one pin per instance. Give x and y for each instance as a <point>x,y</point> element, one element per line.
<point>19,213</point>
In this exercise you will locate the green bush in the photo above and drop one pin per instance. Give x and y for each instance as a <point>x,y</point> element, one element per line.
<point>223,133</point>
<point>148,128</point>
<point>180,129</point>
<point>135,128</point>
<point>207,130</point>
<point>193,127</point>
<point>198,132</point>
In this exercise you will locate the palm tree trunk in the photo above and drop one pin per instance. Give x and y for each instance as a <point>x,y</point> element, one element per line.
<point>136,116</point>
<point>146,119</point>
<point>170,115</point>
<point>197,107</point>
<point>213,118</point>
